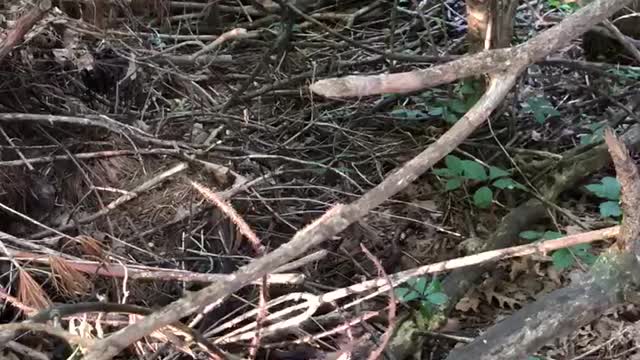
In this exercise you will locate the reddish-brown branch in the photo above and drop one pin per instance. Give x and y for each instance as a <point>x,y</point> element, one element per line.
<point>377,353</point>
<point>23,25</point>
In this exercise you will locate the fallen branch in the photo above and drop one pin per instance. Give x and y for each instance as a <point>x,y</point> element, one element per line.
<point>376,287</point>
<point>23,25</point>
<point>141,272</point>
<point>391,318</point>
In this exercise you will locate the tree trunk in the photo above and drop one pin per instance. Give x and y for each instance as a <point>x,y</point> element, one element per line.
<point>490,16</point>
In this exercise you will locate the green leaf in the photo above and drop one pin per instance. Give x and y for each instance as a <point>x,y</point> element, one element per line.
<point>436,111</point>
<point>434,286</point>
<point>507,183</point>
<point>454,164</point>
<point>438,298</point>
<point>457,106</point>
<point>473,170</point>
<point>406,295</point>
<point>610,209</point>
<point>450,118</point>
<point>420,284</point>
<point>453,184</point>
<point>588,258</point>
<point>401,293</point>
<point>496,172</point>
<point>583,253</point>
<point>467,88</point>
<point>531,235</point>
<point>597,133</point>
<point>596,189</point>
<point>608,188</point>
<point>562,259</point>
<point>483,197</point>
<point>541,108</point>
<point>444,172</point>
<point>551,235</point>
<point>611,188</point>
<point>427,311</point>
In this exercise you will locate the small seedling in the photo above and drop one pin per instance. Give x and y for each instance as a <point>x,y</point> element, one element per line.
<point>562,258</point>
<point>428,293</point>
<point>608,189</point>
<point>458,171</point>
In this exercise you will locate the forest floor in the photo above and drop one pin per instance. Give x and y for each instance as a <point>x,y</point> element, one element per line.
<point>106,127</point>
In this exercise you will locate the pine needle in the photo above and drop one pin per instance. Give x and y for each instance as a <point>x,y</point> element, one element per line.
<point>66,279</point>
<point>30,292</point>
<point>91,246</point>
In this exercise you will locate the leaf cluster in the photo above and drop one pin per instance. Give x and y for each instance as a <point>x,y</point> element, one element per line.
<point>428,293</point>
<point>562,258</point>
<point>457,171</point>
<point>608,189</point>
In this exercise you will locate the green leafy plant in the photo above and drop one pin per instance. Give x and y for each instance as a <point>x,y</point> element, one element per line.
<point>467,93</point>
<point>541,108</point>
<point>609,190</point>
<point>428,105</point>
<point>457,171</point>
<point>428,293</point>
<point>564,6</point>
<point>629,72</point>
<point>562,258</point>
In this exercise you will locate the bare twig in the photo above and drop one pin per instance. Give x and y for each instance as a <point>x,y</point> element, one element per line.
<point>377,354</point>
